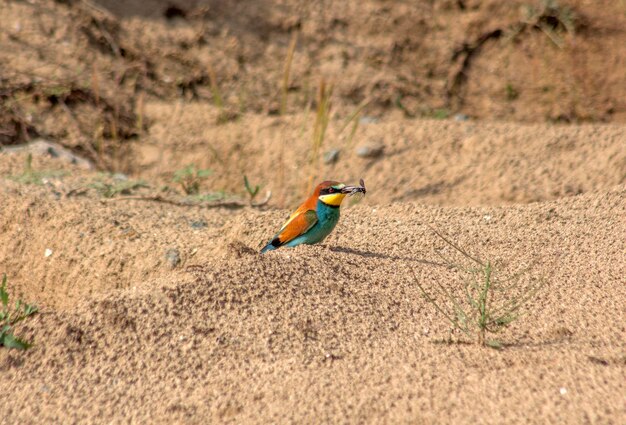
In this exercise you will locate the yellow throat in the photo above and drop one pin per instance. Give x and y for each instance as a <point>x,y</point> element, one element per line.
<point>333,199</point>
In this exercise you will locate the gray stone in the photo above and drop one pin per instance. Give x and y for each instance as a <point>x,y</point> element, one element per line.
<point>368,120</point>
<point>198,224</point>
<point>370,151</point>
<point>53,150</point>
<point>172,255</point>
<point>331,156</point>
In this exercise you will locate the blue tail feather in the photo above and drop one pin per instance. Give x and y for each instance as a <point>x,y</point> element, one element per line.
<point>268,247</point>
<point>272,245</point>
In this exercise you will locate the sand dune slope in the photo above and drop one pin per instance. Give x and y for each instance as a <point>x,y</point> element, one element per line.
<point>341,332</point>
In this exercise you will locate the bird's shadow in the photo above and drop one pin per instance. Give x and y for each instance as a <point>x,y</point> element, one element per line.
<point>380,255</point>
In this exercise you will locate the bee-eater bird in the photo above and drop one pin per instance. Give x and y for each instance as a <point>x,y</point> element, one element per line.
<point>315,218</point>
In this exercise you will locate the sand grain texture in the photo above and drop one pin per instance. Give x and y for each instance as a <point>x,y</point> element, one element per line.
<point>339,331</point>
<point>164,312</point>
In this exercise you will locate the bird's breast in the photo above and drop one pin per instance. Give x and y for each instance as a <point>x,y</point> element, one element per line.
<point>327,215</point>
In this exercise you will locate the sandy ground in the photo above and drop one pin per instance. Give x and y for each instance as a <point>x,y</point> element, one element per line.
<point>156,307</point>
<point>338,332</point>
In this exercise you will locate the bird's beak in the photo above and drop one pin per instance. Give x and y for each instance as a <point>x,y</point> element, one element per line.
<point>351,190</point>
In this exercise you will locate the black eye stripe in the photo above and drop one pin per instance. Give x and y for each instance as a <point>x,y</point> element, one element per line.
<point>329,190</point>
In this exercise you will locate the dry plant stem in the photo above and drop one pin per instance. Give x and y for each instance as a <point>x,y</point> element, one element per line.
<point>350,142</point>
<point>281,173</point>
<point>305,120</point>
<point>551,35</point>
<point>287,72</point>
<point>482,303</point>
<point>95,84</point>
<point>354,114</point>
<point>307,112</point>
<point>354,119</point>
<point>219,204</point>
<point>436,305</point>
<point>172,122</point>
<point>455,246</point>
<point>141,109</point>
<point>322,117</point>
<point>215,90</point>
<point>109,39</point>
<point>515,305</point>
<point>484,317</point>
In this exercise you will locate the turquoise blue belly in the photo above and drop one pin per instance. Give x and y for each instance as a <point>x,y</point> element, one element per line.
<point>327,218</point>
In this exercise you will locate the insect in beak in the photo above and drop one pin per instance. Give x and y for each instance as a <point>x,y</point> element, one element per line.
<point>352,190</point>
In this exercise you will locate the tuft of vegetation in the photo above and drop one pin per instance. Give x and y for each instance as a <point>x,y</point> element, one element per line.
<point>252,192</point>
<point>511,92</point>
<point>215,90</point>
<point>486,304</point>
<point>117,187</point>
<point>225,113</point>
<point>441,113</point>
<point>10,316</point>
<point>32,176</point>
<point>551,18</point>
<point>210,196</point>
<point>189,178</point>
<point>398,103</point>
<point>435,113</point>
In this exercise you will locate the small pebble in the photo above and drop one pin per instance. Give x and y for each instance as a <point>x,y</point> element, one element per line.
<point>120,177</point>
<point>460,117</point>
<point>198,224</point>
<point>172,256</point>
<point>52,152</point>
<point>563,390</point>
<point>368,120</point>
<point>370,151</point>
<point>331,156</point>
<point>47,252</point>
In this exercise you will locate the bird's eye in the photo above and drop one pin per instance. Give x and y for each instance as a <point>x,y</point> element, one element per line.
<point>331,190</point>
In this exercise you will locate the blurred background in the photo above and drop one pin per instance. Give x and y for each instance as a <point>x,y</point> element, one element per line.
<point>283,91</point>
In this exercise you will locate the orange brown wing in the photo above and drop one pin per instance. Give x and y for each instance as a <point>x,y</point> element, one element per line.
<point>298,224</point>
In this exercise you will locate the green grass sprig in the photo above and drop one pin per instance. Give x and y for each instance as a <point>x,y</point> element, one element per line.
<point>9,316</point>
